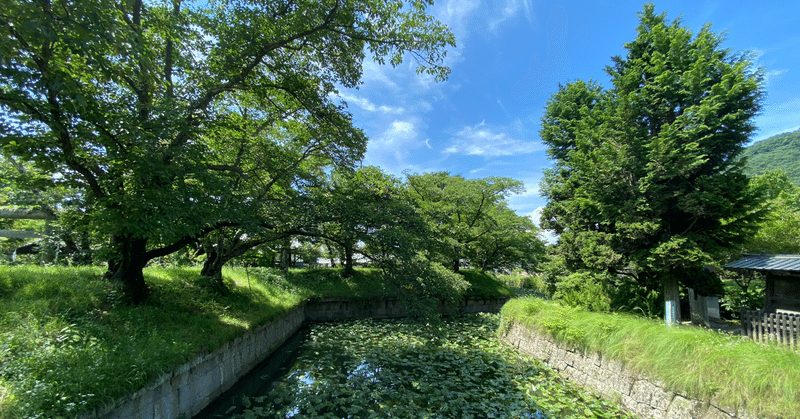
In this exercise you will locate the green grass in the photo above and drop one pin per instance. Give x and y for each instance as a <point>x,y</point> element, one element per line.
<point>484,285</point>
<point>704,364</point>
<point>68,344</point>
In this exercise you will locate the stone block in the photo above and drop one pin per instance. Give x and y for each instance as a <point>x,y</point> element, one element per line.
<point>622,384</point>
<point>144,402</point>
<point>166,406</point>
<point>713,412</point>
<point>185,398</point>
<point>125,410</point>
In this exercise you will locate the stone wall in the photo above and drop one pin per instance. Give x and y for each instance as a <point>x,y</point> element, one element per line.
<point>645,397</point>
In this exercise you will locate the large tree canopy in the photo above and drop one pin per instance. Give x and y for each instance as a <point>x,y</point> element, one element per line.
<point>646,179</point>
<point>470,222</point>
<point>119,97</point>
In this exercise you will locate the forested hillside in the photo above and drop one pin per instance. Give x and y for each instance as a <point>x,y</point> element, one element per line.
<point>778,152</point>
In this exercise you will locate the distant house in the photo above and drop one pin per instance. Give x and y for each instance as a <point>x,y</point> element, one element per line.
<point>782,273</point>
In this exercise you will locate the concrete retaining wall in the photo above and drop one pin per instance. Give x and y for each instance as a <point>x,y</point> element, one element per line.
<point>641,395</point>
<point>191,387</point>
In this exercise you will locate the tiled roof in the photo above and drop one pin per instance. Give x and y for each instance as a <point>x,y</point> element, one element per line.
<point>764,262</point>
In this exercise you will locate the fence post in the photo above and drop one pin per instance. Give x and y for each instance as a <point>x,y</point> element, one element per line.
<point>743,316</point>
<point>795,330</point>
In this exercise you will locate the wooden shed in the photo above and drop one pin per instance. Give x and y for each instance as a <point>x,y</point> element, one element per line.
<point>782,274</point>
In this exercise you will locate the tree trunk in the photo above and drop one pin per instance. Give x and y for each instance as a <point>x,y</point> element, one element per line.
<point>212,267</point>
<point>286,254</point>
<point>457,259</point>
<point>129,268</point>
<point>672,304</point>
<point>348,262</point>
<point>331,254</point>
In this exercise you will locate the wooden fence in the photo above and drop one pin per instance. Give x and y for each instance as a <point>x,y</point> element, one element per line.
<point>782,328</point>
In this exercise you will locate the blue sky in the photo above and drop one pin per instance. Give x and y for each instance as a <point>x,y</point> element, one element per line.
<point>510,57</point>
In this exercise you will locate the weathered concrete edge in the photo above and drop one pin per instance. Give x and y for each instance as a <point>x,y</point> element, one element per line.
<point>645,397</point>
<point>187,390</point>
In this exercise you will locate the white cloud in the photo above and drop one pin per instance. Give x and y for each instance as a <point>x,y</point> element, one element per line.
<point>392,149</point>
<point>548,236</point>
<point>482,140</point>
<point>778,118</point>
<point>376,73</point>
<point>511,10</point>
<point>455,13</point>
<point>400,132</point>
<point>368,106</point>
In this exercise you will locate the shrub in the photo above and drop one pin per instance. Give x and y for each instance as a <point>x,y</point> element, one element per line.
<point>584,289</point>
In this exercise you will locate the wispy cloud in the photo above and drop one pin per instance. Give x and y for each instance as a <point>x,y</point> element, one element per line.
<point>368,106</point>
<point>393,148</point>
<point>455,14</point>
<point>374,73</point>
<point>778,118</point>
<point>771,75</point>
<point>512,9</point>
<point>482,140</point>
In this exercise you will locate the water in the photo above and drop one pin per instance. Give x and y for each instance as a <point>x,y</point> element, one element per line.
<point>401,369</point>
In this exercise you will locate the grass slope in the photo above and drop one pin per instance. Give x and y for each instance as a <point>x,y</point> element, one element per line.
<point>68,344</point>
<point>778,152</point>
<point>703,364</point>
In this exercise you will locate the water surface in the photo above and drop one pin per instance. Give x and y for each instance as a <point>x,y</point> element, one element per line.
<point>403,369</point>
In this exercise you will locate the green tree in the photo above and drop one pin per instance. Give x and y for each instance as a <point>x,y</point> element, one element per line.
<point>115,97</point>
<point>469,220</point>
<point>779,232</point>
<point>365,212</point>
<point>270,161</point>
<point>512,244</point>
<point>646,180</point>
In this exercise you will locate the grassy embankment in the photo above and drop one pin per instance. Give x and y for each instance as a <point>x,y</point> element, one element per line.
<point>68,344</point>
<point>703,364</point>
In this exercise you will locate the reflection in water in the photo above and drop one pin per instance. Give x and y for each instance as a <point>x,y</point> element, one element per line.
<point>401,369</point>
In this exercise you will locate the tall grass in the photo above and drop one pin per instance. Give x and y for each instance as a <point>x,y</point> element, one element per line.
<point>68,344</point>
<point>737,372</point>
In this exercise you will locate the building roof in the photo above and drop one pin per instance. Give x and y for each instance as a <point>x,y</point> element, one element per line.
<point>767,263</point>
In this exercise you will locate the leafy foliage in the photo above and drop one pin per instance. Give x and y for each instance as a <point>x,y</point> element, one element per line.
<point>398,369</point>
<point>779,231</point>
<point>469,222</point>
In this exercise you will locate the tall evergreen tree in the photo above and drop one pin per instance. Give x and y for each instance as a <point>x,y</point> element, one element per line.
<point>646,179</point>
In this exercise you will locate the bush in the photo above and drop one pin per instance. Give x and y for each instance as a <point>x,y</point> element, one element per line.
<point>742,290</point>
<point>584,289</point>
